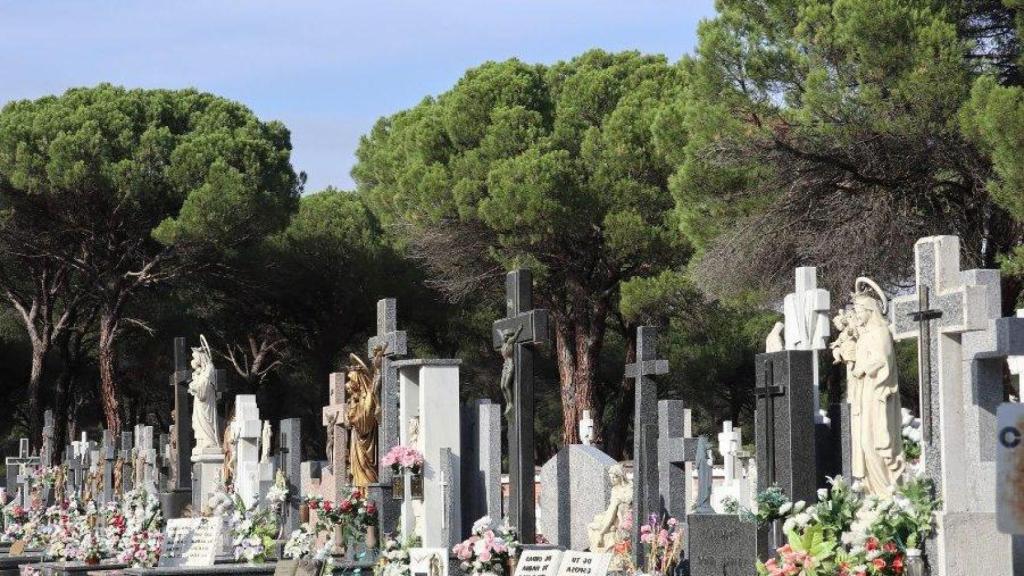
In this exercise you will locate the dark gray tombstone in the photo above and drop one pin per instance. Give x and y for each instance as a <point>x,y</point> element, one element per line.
<point>532,328</point>
<point>127,462</point>
<point>481,462</point>
<point>46,448</point>
<point>290,462</point>
<point>108,454</point>
<point>174,500</point>
<point>645,429</point>
<point>675,453</point>
<point>784,428</point>
<point>723,545</point>
<point>395,346</point>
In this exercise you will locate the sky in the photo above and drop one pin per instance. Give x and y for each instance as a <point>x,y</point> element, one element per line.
<point>327,69</point>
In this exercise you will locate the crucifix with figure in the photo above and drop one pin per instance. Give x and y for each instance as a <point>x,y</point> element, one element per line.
<point>530,327</point>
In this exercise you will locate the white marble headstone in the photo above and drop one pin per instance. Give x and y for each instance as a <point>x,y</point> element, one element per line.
<point>191,542</point>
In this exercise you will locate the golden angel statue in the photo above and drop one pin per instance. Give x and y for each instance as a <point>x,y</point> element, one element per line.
<point>362,394</point>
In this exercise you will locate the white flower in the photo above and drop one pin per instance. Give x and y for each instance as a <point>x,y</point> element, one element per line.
<point>785,508</point>
<point>799,506</point>
<point>822,494</point>
<point>482,525</point>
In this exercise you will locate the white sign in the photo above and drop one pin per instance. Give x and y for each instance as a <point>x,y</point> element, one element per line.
<point>1010,468</point>
<point>538,563</point>
<point>584,564</point>
<point>191,542</point>
<point>428,561</point>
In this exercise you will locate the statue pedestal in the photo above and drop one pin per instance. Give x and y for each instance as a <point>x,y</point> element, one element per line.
<point>206,469</point>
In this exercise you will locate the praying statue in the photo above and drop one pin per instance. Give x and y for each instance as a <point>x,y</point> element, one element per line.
<point>362,416</point>
<point>872,389</point>
<point>603,531</point>
<point>508,367</point>
<point>204,407</point>
<point>265,442</point>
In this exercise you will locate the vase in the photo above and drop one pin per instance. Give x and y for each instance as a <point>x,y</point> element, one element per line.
<point>398,487</point>
<point>511,566</point>
<point>371,537</point>
<point>915,563</point>
<point>304,513</point>
<point>339,542</point>
<point>92,560</point>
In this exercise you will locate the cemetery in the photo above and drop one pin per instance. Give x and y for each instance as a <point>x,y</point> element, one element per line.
<point>755,308</point>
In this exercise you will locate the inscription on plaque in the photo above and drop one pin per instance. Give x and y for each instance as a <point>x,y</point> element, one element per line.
<point>191,542</point>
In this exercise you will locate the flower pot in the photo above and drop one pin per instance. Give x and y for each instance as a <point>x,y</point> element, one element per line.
<point>92,560</point>
<point>304,513</point>
<point>339,542</point>
<point>417,486</point>
<point>915,563</point>
<point>398,487</point>
<point>371,537</point>
<point>511,566</point>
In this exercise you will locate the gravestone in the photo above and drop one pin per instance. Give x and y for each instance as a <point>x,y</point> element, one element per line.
<point>784,428</point>
<point>108,454</point>
<point>723,545</point>
<point>807,324</point>
<point>1010,467</point>
<point>335,478</point>
<point>574,489</point>
<point>179,488</point>
<point>395,345</point>
<point>429,422</point>
<point>428,562</point>
<point>481,462</point>
<point>538,563</point>
<point>125,454</point>
<point>290,462</point>
<point>735,484</point>
<point>645,429</point>
<point>191,542</point>
<point>583,564</point>
<point>145,456</point>
<point>247,450</point>
<point>531,329</point>
<point>17,472</point>
<point>46,448</point>
<point>962,344</point>
<point>676,449</point>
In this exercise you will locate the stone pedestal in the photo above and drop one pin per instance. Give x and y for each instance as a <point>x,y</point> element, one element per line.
<point>723,544</point>
<point>574,489</point>
<point>206,469</point>
<point>173,503</point>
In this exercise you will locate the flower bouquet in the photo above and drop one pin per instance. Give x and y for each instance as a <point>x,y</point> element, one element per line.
<point>348,519</point>
<point>394,560</point>
<point>405,460</point>
<point>489,550</point>
<point>135,530</point>
<point>253,532</point>
<point>301,545</point>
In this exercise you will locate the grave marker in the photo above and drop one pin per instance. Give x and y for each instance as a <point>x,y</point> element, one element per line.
<point>531,327</point>
<point>191,542</point>
<point>645,414</point>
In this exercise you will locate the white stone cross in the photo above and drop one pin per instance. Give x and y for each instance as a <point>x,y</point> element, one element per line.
<point>807,322</point>
<point>586,429</point>
<point>1016,366</point>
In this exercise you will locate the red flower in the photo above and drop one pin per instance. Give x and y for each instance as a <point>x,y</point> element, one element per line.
<point>345,506</point>
<point>872,544</point>
<point>371,508</point>
<point>328,506</point>
<point>889,547</point>
<point>897,564</point>
<point>313,504</point>
<point>356,494</point>
<point>878,563</point>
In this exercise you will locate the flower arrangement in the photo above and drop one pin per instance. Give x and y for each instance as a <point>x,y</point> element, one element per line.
<point>44,475</point>
<point>663,540</point>
<point>850,534</point>
<point>277,495</point>
<point>769,505</point>
<point>301,546</point>
<point>394,560</point>
<point>488,549</point>
<point>17,521</point>
<point>403,457</point>
<point>353,514</point>
<point>253,531</point>
<point>135,532</point>
<point>911,433</point>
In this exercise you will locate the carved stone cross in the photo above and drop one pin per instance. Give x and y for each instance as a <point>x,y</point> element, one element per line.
<point>531,327</point>
<point>334,419</point>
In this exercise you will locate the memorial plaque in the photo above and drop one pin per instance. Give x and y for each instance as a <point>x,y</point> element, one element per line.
<point>428,561</point>
<point>1010,472</point>
<point>191,542</point>
<point>538,563</point>
<point>584,564</point>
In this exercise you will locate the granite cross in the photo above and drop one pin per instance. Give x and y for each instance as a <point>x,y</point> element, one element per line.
<point>675,451</point>
<point>125,455</point>
<point>768,392</point>
<point>531,327</point>
<point>46,450</point>
<point>334,419</point>
<point>941,309</point>
<point>181,475</point>
<point>16,472</point>
<point>108,452</point>
<point>645,412</point>
<point>395,344</point>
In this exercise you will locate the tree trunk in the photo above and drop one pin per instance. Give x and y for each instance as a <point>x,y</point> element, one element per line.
<point>109,393</point>
<point>577,347</point>
<point>40,348</point>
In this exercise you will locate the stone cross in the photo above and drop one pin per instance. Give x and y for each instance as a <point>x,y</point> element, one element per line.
<point>807,324</point>
<point>395,345</point>
<point>586,429</point>
<point>645,413</point>
<point>108,454</point>
<point>676,452</point>
<point>289,455</point>
<point>181,475</point>
<point>125,454</point>
<point>531,325</point>
<point>334,419</point>
<point>17,471</point>
<point>46,450</point>
<point>767,393</point>
<point>247,454</point>
<point>941,309</point>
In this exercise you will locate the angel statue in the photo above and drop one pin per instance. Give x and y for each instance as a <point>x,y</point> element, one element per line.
<point>363,415</point>
<point>204,408</point>
<point>872,389</point>
<point>508,367</point>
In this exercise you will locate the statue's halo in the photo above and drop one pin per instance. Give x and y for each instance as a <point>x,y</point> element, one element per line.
<point>864,280</point>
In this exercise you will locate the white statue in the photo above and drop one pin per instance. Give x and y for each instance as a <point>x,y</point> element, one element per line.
<point>774,341</point>
<point>872,389</point>
<point>265,443</point>
<point>603,531</point>
<point>204,407</point>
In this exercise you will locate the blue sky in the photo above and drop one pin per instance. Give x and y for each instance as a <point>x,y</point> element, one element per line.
<point>327,69</point>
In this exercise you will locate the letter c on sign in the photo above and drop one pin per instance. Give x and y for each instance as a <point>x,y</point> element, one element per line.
<point>1010,437</point>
